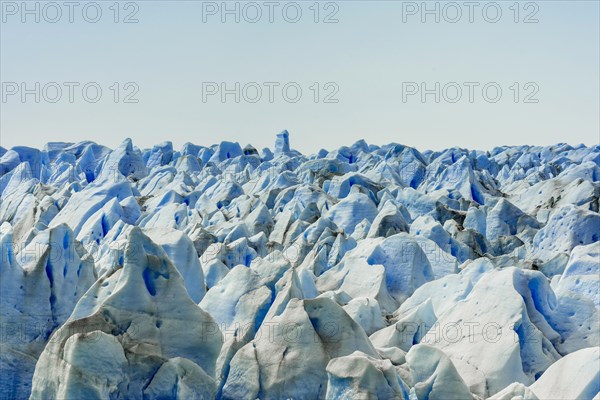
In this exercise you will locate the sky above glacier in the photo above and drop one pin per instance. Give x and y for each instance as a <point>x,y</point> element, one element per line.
<point>386,71</point>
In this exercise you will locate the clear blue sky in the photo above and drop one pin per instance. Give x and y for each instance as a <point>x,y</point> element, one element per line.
<point>368,54</point>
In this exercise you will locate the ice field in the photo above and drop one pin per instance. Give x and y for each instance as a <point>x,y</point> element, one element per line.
<point>365,272</point>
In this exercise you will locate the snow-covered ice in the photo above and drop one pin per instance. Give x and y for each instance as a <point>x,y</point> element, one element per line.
<point>226,272</point>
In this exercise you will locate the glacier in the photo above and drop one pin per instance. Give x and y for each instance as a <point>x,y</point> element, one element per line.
<point>365,272</point>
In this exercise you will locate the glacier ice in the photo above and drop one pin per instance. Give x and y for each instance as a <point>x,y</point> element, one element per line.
<point>573,377</point>
<point>139,316</point>
<point>434,375</point>
<point>367,271</point>
<point>359,376</point>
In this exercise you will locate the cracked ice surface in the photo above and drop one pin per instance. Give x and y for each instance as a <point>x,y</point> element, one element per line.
<point>363,272</point>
